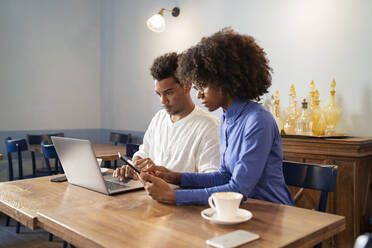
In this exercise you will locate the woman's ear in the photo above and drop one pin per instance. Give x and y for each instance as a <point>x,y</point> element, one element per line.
<point>187,87</point>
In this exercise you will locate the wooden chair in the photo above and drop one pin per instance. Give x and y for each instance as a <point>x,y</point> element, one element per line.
<point>120,138</point>
<point>36,139</point>
<point>364,241</point>
<point>131,149</point>
<point>311,176</point>
<point>15,146</point>
<point>49,152</point>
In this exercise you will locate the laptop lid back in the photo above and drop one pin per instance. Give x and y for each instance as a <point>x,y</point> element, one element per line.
<point>79,163</point>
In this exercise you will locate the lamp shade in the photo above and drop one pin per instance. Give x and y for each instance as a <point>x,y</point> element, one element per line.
<point>156,23</point>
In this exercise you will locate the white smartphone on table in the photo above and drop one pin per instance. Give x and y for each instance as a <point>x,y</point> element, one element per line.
<point>232,239</point>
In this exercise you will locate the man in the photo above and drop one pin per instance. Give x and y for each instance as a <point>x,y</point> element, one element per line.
<point>182,136</point>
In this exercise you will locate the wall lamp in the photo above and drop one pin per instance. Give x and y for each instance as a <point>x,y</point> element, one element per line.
<point>156,22</point>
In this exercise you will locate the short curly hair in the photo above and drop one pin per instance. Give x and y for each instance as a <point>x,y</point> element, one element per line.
<point>231,62</point>
<point>165,66</point>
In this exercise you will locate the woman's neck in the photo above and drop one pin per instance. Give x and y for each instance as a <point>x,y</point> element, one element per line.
<point>228,101</point>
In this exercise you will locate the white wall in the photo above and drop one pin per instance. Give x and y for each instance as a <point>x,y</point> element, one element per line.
<point>80,64</point>
<point>49,64</point>
<point>305,40</point>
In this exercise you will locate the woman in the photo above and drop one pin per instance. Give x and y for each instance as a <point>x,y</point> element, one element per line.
<point>230,71</point>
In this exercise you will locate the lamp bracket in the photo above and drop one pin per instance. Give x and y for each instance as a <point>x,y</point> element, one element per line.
<point>175,11</point>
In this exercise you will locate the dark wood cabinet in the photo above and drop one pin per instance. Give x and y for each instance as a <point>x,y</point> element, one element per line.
<point>353,194</point>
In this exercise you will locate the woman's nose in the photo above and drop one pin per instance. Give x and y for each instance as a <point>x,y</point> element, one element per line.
<point>199,95</point>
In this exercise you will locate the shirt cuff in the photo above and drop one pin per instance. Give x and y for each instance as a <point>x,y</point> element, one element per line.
<point>191,196</point>
<point>188,179</point>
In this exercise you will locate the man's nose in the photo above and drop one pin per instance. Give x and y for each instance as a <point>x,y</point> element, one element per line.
<point>163,99</point>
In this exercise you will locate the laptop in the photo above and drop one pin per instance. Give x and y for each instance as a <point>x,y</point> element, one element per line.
<point>82,169</point>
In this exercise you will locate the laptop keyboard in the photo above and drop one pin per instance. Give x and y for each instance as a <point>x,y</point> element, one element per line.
<point>114,186</point>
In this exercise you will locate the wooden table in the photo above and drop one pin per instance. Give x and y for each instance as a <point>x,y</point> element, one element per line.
<point>89,219</point>
<point>108,152</point>
<point>105,152</point>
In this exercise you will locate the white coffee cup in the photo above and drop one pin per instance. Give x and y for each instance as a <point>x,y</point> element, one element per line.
<point>225,204</point>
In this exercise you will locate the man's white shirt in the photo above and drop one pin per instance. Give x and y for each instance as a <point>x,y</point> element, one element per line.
<point>188,145</point>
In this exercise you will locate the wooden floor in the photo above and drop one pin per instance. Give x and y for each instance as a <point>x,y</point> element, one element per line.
<point>25,238</point>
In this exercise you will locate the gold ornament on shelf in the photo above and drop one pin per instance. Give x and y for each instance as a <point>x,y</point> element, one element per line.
<point>269,104</point>
<point>331,112</point>
<point>290,113</point>
<point>312,97</point>
<point>278,117</point>
<point>318,125</point>
<point>304,122</point>
<point>292,103</point>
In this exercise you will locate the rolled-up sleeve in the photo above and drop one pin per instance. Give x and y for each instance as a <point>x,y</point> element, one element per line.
<point>246,171</point>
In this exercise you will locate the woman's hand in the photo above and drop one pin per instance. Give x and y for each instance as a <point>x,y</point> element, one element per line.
<point>157,188</point>
<point>142,163</point>
<point>164,173</point>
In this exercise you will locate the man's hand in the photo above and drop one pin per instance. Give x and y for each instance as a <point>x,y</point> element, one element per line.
<point>162,172</point>
<point>157,188</point>
<point>126,172</point>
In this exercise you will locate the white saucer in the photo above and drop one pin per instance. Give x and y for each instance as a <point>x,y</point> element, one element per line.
<point>242,215</point>
<point>103,170</point>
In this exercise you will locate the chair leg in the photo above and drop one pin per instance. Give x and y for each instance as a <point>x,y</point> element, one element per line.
<point>50,237</point>
<point>20,165</point>
<point>7,220</point>
<point>10,166</point>
<point>318,245</point>
<point>55,170</point>
<point>33,163</point>
<point>18,227</point>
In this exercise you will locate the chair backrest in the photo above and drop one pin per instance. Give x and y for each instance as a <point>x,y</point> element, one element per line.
<point>15,146</point>
<point>364,241</point>
<point>12,145</point>
<point>312,176</point>
<point>36,139</point>
<point>131,149</point>
<point>120,138</point>
<point>49,152</point>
